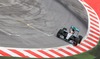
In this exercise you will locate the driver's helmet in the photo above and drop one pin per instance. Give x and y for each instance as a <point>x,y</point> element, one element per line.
<point>72,31</point>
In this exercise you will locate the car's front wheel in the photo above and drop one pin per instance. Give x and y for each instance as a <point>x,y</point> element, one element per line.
<point>59,33</point>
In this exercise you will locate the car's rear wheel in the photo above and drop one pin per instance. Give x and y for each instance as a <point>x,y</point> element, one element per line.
<point>80,39</point>
<point>75,43</point>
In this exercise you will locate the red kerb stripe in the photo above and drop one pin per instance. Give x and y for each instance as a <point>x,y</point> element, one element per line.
<point>86,45</point>
<point>66,52</point>
<point>33,53</point>
<point>74,50</point>
<point>19,53</point>
<point>94,24</point>
<point>94,20</point>
<point>57,53</point>
<point>94,36</point>
<point>87,6</point>
<point>93,16</point>
<point>4,53</point>
<point>90,43</point>
<point>95,32</point>
<point>95,28</point>
<point>80,48</point>
<point>46,53</point>
<point>91,12</point>
<point>82,0</point>
<point>92,39</point>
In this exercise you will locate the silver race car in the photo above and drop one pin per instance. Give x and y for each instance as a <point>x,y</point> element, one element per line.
<point>72,36</point>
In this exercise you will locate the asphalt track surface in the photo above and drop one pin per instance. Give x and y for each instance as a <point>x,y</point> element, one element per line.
<point>37,32</point>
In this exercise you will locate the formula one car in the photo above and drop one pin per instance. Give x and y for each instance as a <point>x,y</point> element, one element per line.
<point>72,36</point>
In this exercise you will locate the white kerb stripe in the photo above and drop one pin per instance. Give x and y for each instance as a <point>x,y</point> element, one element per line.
<point>77,49</point>
<point>95,30</point>
<point>92,14</point>
<point>84,47</point>
<point>69,50</point>
<point>92,18</point>
<point>62,53</point>
<point>87,5</point>
<point>52,54</point>
<point>94,34</point>
<point>87,8</point>
<point>26,53</point>
<point>1,55</point>
<point>88,44</point>
<point>41,54</point>
<point>93,38</point>
<point>94,27</point>
<point>92,42</point>
<point>10,53</point>
<point>94,23</point>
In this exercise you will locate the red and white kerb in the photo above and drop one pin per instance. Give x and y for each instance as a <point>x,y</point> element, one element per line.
<point>88,43</point>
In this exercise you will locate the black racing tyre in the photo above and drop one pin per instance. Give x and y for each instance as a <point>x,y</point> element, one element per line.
<point>59,33</point>
<point>74,43</point>
<point>71,38</point>
<point>80,39</point>
<point>65,29</point>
